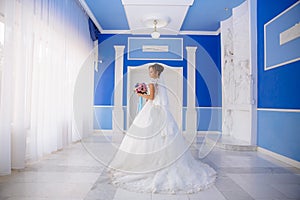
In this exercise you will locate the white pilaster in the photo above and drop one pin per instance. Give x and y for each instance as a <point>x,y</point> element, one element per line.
<point>191,114</point>
<point>118,112</point>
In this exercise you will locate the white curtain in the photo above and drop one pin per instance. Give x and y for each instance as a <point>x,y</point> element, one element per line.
<point>46,46</point>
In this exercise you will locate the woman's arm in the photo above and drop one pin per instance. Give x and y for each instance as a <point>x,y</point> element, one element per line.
<point>151,95</point>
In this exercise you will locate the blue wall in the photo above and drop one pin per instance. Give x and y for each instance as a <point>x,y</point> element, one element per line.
<point>278,88</point>
<point>280,132</point>
<point>208,76</point>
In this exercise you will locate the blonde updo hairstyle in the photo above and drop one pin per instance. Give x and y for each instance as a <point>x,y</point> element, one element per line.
<point>158,68</point>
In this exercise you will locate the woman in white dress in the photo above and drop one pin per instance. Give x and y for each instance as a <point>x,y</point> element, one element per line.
<point>153,155</point>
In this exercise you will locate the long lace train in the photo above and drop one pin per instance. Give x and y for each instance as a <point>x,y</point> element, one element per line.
<point>155,157</point>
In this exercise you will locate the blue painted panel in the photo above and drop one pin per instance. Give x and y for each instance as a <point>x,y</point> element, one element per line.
<point>104,87</point>
<point>103,118</point>
<point>209,119</point>
<point>276,54</point>
<point>104,77</point>
<point>135,48</point>
<point>277,88</point>
<point>280,132</point>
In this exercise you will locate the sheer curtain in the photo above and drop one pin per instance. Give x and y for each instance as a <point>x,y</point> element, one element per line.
<point>46,46</point>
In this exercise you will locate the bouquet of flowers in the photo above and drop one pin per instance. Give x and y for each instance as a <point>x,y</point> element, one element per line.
<point>141,88</point>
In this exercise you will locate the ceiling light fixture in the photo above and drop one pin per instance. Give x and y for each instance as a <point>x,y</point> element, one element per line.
<point>155,34</point>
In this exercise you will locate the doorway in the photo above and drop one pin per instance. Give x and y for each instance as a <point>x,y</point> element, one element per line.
<point>173,78</point>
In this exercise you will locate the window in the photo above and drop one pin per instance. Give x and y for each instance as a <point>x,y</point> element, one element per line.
<point>1,49</point>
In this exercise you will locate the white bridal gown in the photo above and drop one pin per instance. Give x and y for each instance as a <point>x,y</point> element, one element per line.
<point>154,156</point>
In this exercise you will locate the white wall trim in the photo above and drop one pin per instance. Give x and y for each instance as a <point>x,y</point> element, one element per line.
<point>209,132</point>
<point>104,131</point>
<point>279,110</point>
<point>110,131</point>
<point>281,64</point>
<point>106,106</point>
<point>283,12</point>
<point>217,32</point>
<point>208,107</point>
<point>125,32</point>
<point>100,106</point>
<point>277,156</point>
<point>265,41</point>
<point>158,2</point>
<point>116,32</point>
<point>90,14</point>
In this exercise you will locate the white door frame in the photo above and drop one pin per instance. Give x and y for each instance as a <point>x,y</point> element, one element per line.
<point>174,89</point>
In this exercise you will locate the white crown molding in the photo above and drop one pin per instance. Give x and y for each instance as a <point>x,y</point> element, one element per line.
<point>158,2</point>
<point>116,32</point>
<point>90,14</point>
<point>180,33</point>
<point>200,32</point>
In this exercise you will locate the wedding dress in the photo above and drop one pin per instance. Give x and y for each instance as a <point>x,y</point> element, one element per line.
<point>154,156</point>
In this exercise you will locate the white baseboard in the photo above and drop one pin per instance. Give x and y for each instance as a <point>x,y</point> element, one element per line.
<point>104,131</point>
<point>107,131</point>
<point>282,158</point>
<point>209,132</point>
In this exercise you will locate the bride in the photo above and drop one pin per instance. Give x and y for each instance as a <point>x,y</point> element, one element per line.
<point>153,155</point>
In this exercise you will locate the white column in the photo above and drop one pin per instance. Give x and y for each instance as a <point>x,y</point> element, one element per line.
<point>118,112</point>
<point>191,114</point>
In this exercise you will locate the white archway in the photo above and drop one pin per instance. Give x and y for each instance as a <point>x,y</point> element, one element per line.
<point>173,77</point>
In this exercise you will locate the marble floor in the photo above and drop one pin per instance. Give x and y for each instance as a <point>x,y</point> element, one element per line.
<point>75,173</point>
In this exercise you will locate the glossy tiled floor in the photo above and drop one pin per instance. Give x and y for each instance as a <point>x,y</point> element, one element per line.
<point>74,174</point>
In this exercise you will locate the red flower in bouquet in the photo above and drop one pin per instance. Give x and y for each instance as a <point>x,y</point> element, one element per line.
<point>141,88</point>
